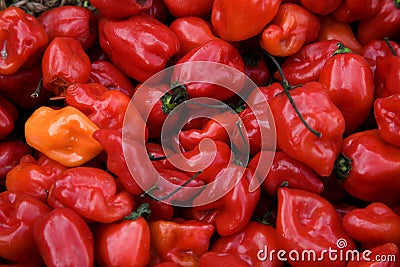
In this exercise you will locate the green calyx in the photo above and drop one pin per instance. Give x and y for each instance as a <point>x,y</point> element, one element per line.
<point>397,3</point>
<point>342,167</point>
<point>174,97</point>
<point>140,211</point>
<point>342,49</point>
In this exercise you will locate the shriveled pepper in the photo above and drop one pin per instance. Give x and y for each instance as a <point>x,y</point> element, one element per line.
<point>125,8</point>
<point>64,135</point>
<point>373,225</point>
<point>292,28</point>
<point>181,242</point>
<point>106,108</point>
<point>386,111</point>
<point>18,214</point>
<point>64,63</point>
<point>11,153</point>
<point>70,21</point>
<point>369,167</point>
<point>64,239</point>
<point>308,222</point>
<point>22,40</point>
<point>34,176</point>
<point>8,116</point>
<point>92,193</point>
<point>130,45</point>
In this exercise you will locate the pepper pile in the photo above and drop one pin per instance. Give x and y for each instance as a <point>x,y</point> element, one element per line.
<point>329,71</point>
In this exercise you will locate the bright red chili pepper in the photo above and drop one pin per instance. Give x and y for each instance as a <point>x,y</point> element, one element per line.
<point>268,92</point>
<point>239,19</point>
<point>252,245</point>
<point>306,65</point>
<point>159,210</point>
<point>64,239</point>
<point>354,10</point>
<point>188,8</point>
<point>321,7</point>
<point>138,55</point>
<point>350,84</point>
<point>369,167</point>
<point>125,8</point>
<point>387,76</point>
<point>385,23</point>
<point>70,21</point>
<point>18,214</point>
<point>64,63</point>
<point>22,40</point>
<point>34,176</point>
<point>316,107</point>
<point>292,28</point>
<point>182,242</point>
<point>124,243</point>
<point>385,255</point>
<point>192,32</point>
<point>376,49</point>
<point>237,206</point>
<point>308,222</point>
<point>8,116</point>
<point>255,67</point>
<point>106,74</point>
<point>224,259</point>
<point>92,193</point>
<point>386,111</point>
<point>373,225</point>
<point>11,153</point>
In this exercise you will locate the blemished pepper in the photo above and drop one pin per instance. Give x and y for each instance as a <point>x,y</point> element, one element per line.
<point>64,135</point>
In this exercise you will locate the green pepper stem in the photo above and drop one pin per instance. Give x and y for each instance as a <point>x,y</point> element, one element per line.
<point>142,209</point>
<point>174,97</point>
<point>38,89</point>
<point>342,49</point>
<point>387,41</point>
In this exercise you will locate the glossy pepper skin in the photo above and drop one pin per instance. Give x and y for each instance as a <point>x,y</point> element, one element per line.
<point>321,7</point>
<point>8,116</point>
<point>64,63</point>
<point>22,40</point>
<point>292,27</point>
<point>350,83</point>
<point>255,67</point>
<point>106,74</point>
<point>188,8</point>
<point>248,243</point>
<point>18,214</point>
<point>123,243</point>
<point>225,259</point>
<point>125,8</point>
<point>387,76</point>
<point>239,20</point>
<point>353,10</point>
<point>11,152</point>
<point>92,193</point>
<point>313,102</point>
<point>70,21</point>
<point>373,225</point>
<point>106,108</point>
<point>306,65</point>
<point>34,176</point>
<point>383,24</point>
<point>61,225</point>
<point>307,221</point>
<point>361,153</point>
<point>386,110</point>
<point>182,242</point>
<point>130,45</point>
<point>64,135</point>
<point>376,49</point>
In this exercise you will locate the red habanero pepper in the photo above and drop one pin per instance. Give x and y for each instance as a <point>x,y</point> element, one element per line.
<point>237,206</point>
<point>70,21</point>
<point>354,10</point>
<point>125,8</point>
<point>387,76</point>
<point>92,193</point>
<point>181,242</point>
<point>385,23</point>
<point>376,49</point>
<point>255,67</point>
<point>316,107</point>
<point>350,84</point>
<point>240,19</point>
<point>130,45</point>
<point>34,177</point>
<point>321,7</point>
<point>11,153</point>
<point>64,63</point>
<point>369,167</point>
<point>124,243</point>
<point>106,74</point>
<point>224,259</point>
<point>159,210</point>
<point>373,225</point>
<point>290,173</point>
<point>308,222</point>
<point>22,40</point>
<point>64,239</point>
<point>217,51</point>
<point>192,32</point>
<point>268,92</point>
<point>306,65</point>
<point>292,28</point>
<point>106,108</point>
<point>18,214</point>
<point>189,8</point>
<point>332,29</point>
<point>387,111</point>
<point>8,116</point>
<point>158,156</point>
<point>385,255</point>
<point>252,245</point>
